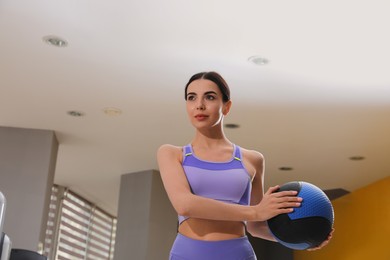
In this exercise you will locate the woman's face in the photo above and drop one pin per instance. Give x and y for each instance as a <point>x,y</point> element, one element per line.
<point>205,106</point>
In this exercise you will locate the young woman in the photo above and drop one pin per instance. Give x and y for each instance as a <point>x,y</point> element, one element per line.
<point>215,186</point>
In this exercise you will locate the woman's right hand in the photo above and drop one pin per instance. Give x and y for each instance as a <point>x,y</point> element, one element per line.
<point>274,203</point>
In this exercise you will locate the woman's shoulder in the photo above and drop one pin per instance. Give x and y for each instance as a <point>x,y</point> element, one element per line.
<point>252,155</point>
<point>170,149</point>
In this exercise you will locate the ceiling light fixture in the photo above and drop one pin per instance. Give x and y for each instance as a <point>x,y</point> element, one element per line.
<point>55,41</point>
<point>285,168</point>
<point>232,126</point>
<point>112,111</point>
<point>75,113</point>
<point>356,158</point>
<point>258,60</point>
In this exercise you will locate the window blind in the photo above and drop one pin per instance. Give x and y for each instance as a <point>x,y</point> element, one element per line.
<point>79,229</point>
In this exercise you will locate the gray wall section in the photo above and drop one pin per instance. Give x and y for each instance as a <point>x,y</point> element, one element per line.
<point>163,221</point>
<point>147,222</point>
<point>27,164</point>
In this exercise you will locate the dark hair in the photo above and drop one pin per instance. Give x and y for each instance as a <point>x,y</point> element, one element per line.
<point>214,77</point>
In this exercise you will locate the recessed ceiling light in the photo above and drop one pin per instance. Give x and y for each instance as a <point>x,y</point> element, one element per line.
<point>356,158</point>
<point>75,113</point>
<point>285,168</point>
<point>112,111</point>
<point>258,60</point>
<point>232,126</point>
<point>55,41</point>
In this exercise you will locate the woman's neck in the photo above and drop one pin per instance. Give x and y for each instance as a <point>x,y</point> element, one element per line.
<point>210,139</point>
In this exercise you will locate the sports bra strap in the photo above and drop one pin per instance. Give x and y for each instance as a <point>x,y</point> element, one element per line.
<point>237,153</point>
<point>187,150</point>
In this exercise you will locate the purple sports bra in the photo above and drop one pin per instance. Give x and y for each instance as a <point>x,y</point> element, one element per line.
<point>224,181</point>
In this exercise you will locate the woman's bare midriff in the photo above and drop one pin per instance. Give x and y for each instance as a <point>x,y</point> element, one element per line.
<point>211,230</point>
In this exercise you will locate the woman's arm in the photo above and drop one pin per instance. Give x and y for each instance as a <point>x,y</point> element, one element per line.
<point>254,161</point>
<point>187,204</point>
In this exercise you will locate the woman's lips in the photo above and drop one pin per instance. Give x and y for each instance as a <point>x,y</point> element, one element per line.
<point>201,117</point>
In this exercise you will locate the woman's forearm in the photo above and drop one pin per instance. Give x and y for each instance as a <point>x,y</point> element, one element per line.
<point>200,207</point>
<point>260,229</point>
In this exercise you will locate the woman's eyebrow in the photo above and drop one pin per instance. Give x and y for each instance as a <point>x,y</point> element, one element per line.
<point>206,93</point>
<point>210,92</point>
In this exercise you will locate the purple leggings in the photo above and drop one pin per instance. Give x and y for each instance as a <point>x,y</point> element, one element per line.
<point>185,248</point>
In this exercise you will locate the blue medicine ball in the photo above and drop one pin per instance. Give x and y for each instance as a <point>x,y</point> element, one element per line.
<point>307,226</point>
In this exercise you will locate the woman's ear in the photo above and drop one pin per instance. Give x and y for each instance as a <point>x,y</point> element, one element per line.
<point>226,107</point>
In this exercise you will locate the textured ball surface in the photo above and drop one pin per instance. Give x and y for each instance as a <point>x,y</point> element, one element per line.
<point>307,226</point>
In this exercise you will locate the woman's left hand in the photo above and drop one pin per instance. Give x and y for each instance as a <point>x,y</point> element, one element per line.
<point>323,243</point>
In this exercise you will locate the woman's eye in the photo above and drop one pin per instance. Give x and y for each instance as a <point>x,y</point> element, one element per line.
<point>190,98</point>
<point>210,97</point>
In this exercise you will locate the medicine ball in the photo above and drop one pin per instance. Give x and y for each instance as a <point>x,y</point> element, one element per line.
<point>308,225</point>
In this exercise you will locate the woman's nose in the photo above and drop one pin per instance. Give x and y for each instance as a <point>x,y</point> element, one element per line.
<point>200,106</point>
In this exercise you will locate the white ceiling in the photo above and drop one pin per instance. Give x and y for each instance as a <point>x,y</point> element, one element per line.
<point>324,96</point>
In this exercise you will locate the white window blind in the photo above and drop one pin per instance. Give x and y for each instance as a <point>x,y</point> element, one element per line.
<point>77,229</point>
